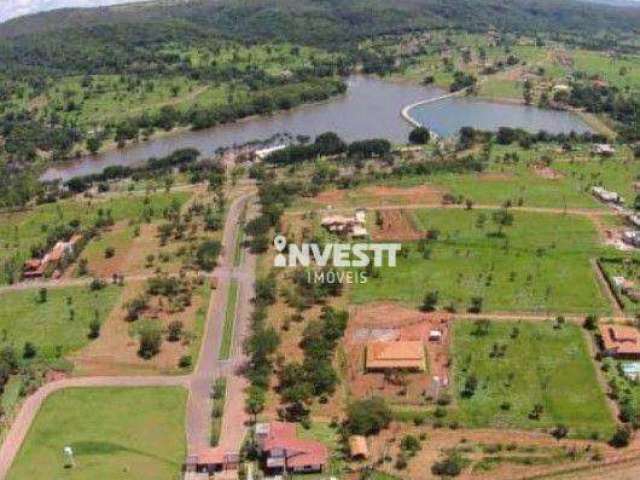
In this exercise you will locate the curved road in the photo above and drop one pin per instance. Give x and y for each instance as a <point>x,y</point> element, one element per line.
<point>207,369</point>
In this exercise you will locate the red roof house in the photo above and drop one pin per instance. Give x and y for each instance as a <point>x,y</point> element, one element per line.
<point>284,452</point>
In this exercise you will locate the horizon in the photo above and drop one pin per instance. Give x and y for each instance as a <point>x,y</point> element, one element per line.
<point>10,9</point>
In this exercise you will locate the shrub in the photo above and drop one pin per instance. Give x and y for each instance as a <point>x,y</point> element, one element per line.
<point>419,136</point>
<point>368,416</point>
<point>185,361</point>
<point>621,437</point>
<point>150,341</point>
<point>109,252</point>
<point>175,331</point>
<point>29,351</point>
<point>94,329</point>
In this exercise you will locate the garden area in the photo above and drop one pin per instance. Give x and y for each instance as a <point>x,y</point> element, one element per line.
<point>114,433</point>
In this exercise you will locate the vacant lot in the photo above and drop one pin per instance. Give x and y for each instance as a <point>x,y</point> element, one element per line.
<point>540,263</point>
<point>60,324</point>
<point>537,365</point>
<point>115,433</point>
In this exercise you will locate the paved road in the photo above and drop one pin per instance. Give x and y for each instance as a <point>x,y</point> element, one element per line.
<point>206,370</point>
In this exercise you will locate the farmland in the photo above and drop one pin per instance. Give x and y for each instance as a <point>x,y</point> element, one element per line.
<point>115,433</point>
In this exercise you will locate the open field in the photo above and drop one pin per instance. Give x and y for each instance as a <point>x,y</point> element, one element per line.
<point>115,433</point>
<point>58,326</point>
<point>540,365</point>
<point>541,264</point>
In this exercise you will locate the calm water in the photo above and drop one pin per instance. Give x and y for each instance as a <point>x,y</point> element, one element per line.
<point>446,117</point>
<point>370,108</point>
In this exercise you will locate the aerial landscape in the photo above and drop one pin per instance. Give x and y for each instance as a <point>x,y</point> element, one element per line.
<point>320,239</point>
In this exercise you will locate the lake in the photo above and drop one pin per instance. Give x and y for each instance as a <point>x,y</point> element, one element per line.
<point>370,108</point>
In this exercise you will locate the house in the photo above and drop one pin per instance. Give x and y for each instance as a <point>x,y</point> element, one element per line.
<point>283,452</point>
<point>631,237</point>
<point>35,268</point>
<point>606,195</point>
<point>621,283</point>
<point>353,226</point>
<point>561,88</point>
<point>212,460</point>
<point>620,341</point>
<point>358,449</point>
<point>396,355</point>
<point>603,149</point>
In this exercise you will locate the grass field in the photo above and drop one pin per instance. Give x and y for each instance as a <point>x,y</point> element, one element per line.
<point>51,326</point>
<point>541,365</point>
<point>115,433</point>
<point>229,321</point>
<point>20,231</point>
<point>541,264</point>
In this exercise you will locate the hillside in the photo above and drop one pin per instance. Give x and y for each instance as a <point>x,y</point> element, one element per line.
<point>322,22</point>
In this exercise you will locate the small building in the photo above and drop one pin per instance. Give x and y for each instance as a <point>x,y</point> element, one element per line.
<point>561,88</point>
<point>353,226</point>
<point>606,195</point>
<point>358,449</point>
<point>622,284</point>
<point>603,149</point>
<point>397,355</point>
<point>265,152</point>
<point>212,460</point>
<point>435,335</point>
<point>620,341</point>
<point>283,452</point>
<point>631,237</point>
<point>634,220</point>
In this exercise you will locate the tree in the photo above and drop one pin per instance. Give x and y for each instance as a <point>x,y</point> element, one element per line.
<point>470,386</point>
<point>621,437</point>
<point>449,467</point>
<point>29,351</point>
<point>590,322</point>
<point>429,301</point>
<point>174,331</point>
<point>207,254</point>
<point>42,295</point>
<point>94,329</point>
<point>368,416</point>
<point>560,432</point>
<point>502,218</point>
<point>150,341</point>
<point>410,444</point>
<point>419,136</point>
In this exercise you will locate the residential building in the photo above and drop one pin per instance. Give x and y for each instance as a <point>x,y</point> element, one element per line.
<point>603,149</point>
<point>353,226</point>
<point>606,195</point>
<point>620,341</point>
<point>631,237</point>
<point>358,448</point>
<point>283,452</point>
<point>396,355</point>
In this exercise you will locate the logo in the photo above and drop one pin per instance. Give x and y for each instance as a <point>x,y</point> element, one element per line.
<point>339,255</point>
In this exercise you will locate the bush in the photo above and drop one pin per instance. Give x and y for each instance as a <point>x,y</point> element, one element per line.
<point>109,252</point>
<point>185,361</point>
<point>175,331</point>
<point>94,329</point>
<point>450,466</point>
<point>368,416</point>
<point>621,437</point>
<point>410,444</point>
<point>29,351</point>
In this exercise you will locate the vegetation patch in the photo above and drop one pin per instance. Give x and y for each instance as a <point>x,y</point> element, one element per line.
<point>527,375</point>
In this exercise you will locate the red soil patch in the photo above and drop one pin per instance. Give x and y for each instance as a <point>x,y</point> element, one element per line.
<point>494,176</point>
<point>390,322</point>
<point>382,195</point>
<point>395,225</point>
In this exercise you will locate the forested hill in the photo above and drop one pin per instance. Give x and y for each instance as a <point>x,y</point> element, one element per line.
<point>326,23</point>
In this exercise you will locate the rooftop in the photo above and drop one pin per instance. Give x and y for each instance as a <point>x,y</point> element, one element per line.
<point>400,354</point>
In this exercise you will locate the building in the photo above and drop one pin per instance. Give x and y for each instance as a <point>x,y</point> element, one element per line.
<point>212,460</point>
<point>36,268</point>
<point>398,355</point>
<point>607,196</point>
<point>358,448</point>
<point>620,341</point>
<point>603,149</point>
<point>631,237</point>
<point>265,152</point>
<point>353,226</point>
<point>634,220</point>
<point>283,452</point>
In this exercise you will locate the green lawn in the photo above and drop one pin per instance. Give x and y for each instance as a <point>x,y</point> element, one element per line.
<point>541,365</point>
<point>229,321</point>
<point>51,326</point>
<point>115,433</point>
<point>541,264</point>
<point>20,231</point>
